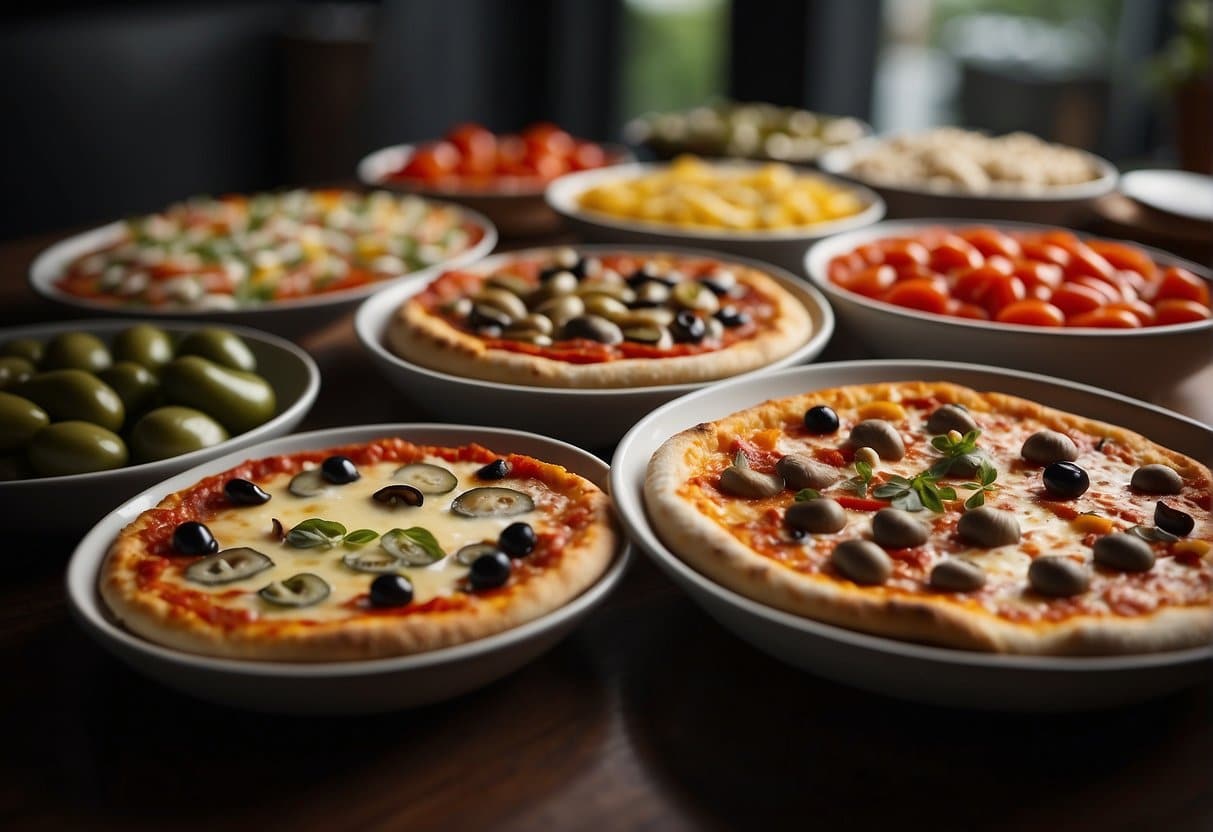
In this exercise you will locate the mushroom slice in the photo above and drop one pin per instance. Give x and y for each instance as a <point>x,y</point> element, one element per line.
<point>426,478</point>
<point>310,483</point>
<point>300,590</point>
<point>492,501</point>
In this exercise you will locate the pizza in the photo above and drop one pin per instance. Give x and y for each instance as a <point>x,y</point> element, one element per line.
<point>554,318</point>
<point>359,552</point>
<point>932,513</point>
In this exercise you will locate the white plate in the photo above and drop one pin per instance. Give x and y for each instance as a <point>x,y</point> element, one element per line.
<point>900,669</point>
<point>784,247</point>
<point>40,501</point>
<point>356,687</point>
<point>290,318</point>
<point>593,418</point>
<point>1144,362</point>
<point>1179,192</point>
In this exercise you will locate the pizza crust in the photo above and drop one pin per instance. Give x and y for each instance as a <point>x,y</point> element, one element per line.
<point>430,341</point>
<point>367,636</point>
<point>933,618</point>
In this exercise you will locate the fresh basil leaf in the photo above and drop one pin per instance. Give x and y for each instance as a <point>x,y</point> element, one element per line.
<point>909,501</point>
<point>941,468</point>
<point>987,473</point>
<point>888,490</point>
<point>315,532</point>
<point>947,493</point>
<point>864,470</point>
<point>902,481</point>
<point>359,538</point>
<point>930,499</point>
<point>941,443</point>
<point>806,494</point>
<point>976,499</point>
<point>415,546</point>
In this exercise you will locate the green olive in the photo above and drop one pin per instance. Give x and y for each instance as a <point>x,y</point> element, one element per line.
<point>75,448</point>
<point>220,346</point>
<point>172,431</point>
<point>14,370</point>
<point>30,349</point>
<point>143,344</point>
<point>239,401</point>
<point>135,384</point>
<point>20,419</point>
<point>75,351</point>
<point>74,394</point>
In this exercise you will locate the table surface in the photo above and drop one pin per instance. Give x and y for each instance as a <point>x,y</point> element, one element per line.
<point>649,716</point>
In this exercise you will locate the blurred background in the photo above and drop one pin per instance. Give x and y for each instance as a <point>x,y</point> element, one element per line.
<point>118,108</point>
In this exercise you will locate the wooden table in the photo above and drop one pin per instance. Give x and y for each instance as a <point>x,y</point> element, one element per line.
<point>650,716</point>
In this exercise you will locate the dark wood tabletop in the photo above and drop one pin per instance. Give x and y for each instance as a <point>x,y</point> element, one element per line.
<point>649,716</point>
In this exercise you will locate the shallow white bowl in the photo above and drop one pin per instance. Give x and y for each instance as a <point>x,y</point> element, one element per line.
<point>1183,193</point>
<point>784,248</point>
<point>70,504</point>
<point>290,318</point>
<point>343,688</point>
<point>1141,362</point>
<point>956,678</point>
<point>1063,205</point>
<point>591,418</point>
<point>516,207</point>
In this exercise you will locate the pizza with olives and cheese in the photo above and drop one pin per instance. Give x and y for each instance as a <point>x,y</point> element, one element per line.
<point>359,552</point>
<point>932,513</point>
<point>554,318</point>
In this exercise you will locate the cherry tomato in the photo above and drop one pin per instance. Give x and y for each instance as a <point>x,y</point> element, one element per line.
<point>990,241</point>
<point>1181,284</point>
<point>549,166</point>
<point>922,293</point>
<point>1142,310</point>
<point>968,310</point>
<point>433,161</point>
<point>511,156</point>
<point>1001,291</point>
<point>587,156</point>
<point>871,253</point>
<point>912,271</point>
<point>899,252</point>
<point>1084,261</point>
<point>546,139</point>
<point>1046,253</point>
<point>1040,279</point>
<point>478,147</point>
<point>970,284</point>
<point>1059,237</point>
<point>1106,318</point>
<point>1111,293</point>
<point>843,266</point>
<point>871,282</point>
<point>1032,312</point>
<point>1075,298</point>
<point>953,252</point>
<point>1123,256</point>
<point>1180,311</point>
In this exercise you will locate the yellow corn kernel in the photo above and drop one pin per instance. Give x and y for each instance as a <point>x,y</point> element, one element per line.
<point>1092,523</point>
<point>889,411</point>
<point>1200,548</point>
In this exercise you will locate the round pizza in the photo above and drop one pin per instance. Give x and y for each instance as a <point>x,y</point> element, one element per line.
<point>932,513</point>
<point>554,318</point>
<point>367,551</point>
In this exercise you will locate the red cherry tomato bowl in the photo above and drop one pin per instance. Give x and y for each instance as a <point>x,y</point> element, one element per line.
<point>893,307</point>
<point>514,203</point>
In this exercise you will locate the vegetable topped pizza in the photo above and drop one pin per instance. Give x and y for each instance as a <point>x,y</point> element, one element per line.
<point>933,513</point>
<point>556,318</point>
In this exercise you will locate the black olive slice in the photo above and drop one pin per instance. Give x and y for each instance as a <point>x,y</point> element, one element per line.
<point>398,495</point>
<point>228,566</point>
<point>492,501</point>
<point>308,484</point>
<point>193,538</point>
<point>821,419</point>
<point>244,493</point>
<point>300,590</point>
<point>731,316</point>
<point>498,469</point>
<point>374,561</point>
<point>1173,520</point>
<point>391,591</point>
<point>517,539</point>
<point>426,478</point>
<point>339,470</point>
<point>467,555</point>
<point>688,327</point>
<point>490,571</point>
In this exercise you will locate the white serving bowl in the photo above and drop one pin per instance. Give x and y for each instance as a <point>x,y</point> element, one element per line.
<point>1141,362</point>
<point>341,688</point>
<point>784,248</point>
<point>290,318</point>
<point>1062,205</point>
<point>516,206</point>
<point>941,676</point>
<point>70,504</point>
<point>591,418</point>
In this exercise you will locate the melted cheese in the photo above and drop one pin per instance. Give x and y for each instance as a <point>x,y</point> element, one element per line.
<point>352,506</point>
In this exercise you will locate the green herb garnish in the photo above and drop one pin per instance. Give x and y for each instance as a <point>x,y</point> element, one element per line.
<point>415,546</point>
<point>859,483</point>
<point>986,476</point>
<point>359,538</point>
<point>315,532</point>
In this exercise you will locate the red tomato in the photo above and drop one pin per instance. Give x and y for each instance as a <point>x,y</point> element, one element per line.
<point>871,282</point>
<point>1123,256</point>
<point>1046,253</point>
<point>953,252</point>
<point>1059,237</point>
<point>1106,318</point>
<point>433,161</point>
<point>911,271</point>
<point>511,156</point>
<point>968,310</point>
<point>904,252</point>
<point>478,147</point>
<point>843,266</point>
<point>1001,291</point>
<point>922,293</point>
<point>1181,284</point>
<point>871,253</point>
<point>1075,298</point>
<point>1180,311</point>
<point>1142,310</point>
<point>1135,280</point>
<point>549,167</point>
<point>1032,312</point>
<point>970,284</point>
<point>991,241</point>
<point>546,139</point>
<point>1040,279</point>
<point>1084,261</point>
<point>587,156</point>
<point>1111,293</point>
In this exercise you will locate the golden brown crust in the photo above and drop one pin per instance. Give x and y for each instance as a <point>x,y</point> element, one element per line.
<point>677,514</point>
<point>430,341</point>
<point>363,635</point>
